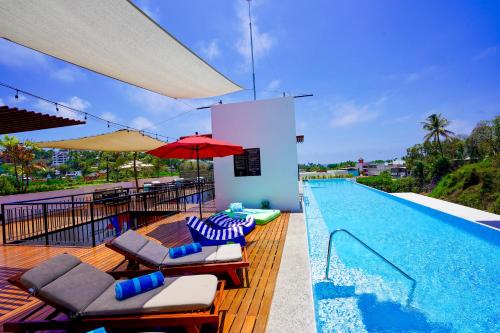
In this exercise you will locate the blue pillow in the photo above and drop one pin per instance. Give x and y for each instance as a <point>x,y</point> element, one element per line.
<point>236,207</point>
<point>184,250</point>
<point>139,285</point>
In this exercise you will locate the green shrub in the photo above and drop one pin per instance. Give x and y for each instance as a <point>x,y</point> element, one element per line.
<point>471,179</point>
<point>441,167</point>
<point>6,187</point>
<point>475,185</point>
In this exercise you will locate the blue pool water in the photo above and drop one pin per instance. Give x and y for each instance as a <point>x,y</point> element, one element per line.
<point>455,263</point>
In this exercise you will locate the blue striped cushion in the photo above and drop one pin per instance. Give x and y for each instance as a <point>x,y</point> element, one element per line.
<point>139,285</point>
<point>214,234</point>
<point>184,250</point>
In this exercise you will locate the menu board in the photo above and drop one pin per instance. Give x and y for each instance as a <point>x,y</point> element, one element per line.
<point>248,163</point>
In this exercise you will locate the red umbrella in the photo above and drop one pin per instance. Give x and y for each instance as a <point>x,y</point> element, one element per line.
<point>197,146</point>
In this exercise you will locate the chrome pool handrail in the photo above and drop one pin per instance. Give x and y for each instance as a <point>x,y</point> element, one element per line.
<point>367,247</point>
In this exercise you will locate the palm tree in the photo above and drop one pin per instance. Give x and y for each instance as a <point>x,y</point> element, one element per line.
<point>436,125</point>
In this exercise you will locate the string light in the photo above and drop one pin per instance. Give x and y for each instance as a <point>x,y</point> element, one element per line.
<point>86,114</point>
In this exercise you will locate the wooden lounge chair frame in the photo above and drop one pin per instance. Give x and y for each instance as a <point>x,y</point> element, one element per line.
<point>192,321</point>
<point>230,267</point>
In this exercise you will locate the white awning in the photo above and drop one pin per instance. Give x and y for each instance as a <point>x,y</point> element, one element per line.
<point>114,38</point>
<point>118,141</point>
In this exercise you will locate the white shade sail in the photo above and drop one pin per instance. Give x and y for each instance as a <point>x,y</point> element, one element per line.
<point>114,38</point>
<point>118,141</point>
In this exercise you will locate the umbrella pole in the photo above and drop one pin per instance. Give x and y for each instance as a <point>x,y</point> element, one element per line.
<point>135,171</point>
<point>200,195</point>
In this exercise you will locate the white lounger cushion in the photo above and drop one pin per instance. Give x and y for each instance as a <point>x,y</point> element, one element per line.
<point>185,293</point>
<point>229,252</point>
<point>158,255</point>
<point>208,254</point>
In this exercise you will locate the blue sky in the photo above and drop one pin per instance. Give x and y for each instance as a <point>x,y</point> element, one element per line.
<point>376,68</point>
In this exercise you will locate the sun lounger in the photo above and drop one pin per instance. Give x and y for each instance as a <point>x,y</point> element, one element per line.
<point>84,299</point>
<point>204,233</point>
<point>212,259</point>
<point>224,221</point>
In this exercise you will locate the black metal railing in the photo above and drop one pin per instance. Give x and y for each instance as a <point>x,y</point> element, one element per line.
<point>91,218</point>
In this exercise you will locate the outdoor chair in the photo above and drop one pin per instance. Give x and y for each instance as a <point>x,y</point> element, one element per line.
<point>204,233</point>
<point>223,221</point>
<point>138,249</point>
<point>84,299</point>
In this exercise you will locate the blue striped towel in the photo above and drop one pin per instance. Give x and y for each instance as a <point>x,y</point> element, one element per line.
<point>139,285</point>
<point>184,250</point>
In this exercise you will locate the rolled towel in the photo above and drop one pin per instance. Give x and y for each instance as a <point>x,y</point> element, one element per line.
<point>236,207</point>
<point>139,285</point>
<point>184,250</point>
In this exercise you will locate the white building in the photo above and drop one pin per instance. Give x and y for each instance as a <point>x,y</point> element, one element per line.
<point>60,156</point>
<point>268,170</point>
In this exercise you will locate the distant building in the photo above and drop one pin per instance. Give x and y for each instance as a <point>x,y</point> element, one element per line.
<point>60,157</point>
<point>396,168</point>
<point>74,174</point>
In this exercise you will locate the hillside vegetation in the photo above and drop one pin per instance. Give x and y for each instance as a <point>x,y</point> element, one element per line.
<point>475,185</point>
<point>457,168</point>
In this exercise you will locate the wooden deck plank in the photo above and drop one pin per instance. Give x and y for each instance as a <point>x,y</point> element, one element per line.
<point>246,308</point>
<point>258,280</point>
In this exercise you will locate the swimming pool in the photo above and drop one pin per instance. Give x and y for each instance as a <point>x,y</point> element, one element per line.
<point>455,264</point>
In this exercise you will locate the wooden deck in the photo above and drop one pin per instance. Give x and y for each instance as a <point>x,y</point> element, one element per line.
<point>244,309</point>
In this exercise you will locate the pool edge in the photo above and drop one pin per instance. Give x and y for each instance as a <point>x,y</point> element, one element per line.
<point>292,307</point>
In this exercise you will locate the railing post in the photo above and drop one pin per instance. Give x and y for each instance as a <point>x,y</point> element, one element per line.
<point>45,223</point>
<point>177,197</point>
<point>184,196</point>
<point>73,210</point>
<point>144,201</point>
<point>92,222</point>
<point>4,231</point>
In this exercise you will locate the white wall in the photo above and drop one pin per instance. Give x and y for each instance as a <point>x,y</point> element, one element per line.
<point>270,126</point>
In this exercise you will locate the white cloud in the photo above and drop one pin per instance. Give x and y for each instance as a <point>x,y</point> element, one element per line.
<point>350,113</point>
<point>211,49</point>
<point>145,6</point>
<point>20,98</point>
<point>273,85</point>
<point>142,123</point>
<point>17,56</point>
<point>154,103</point>
<point>20,57</point>
<point>415,76</point>
<point>487,52</point>
<point>74,102</point>
<point>1,102</point>
<point>66,74</point>
<point>262,41</point>
<point>109,116</point>
<point>458,126</point>
<point>401,119</point>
